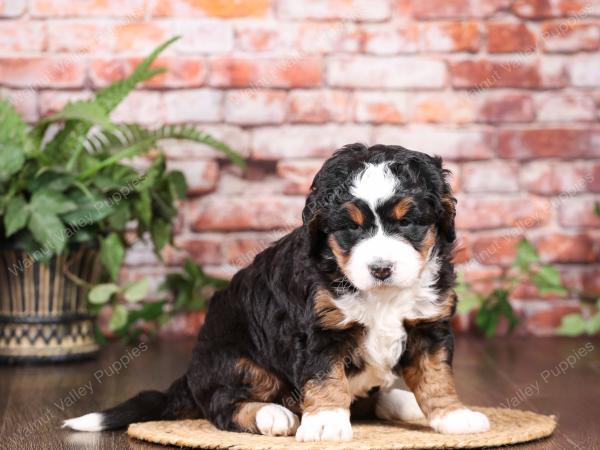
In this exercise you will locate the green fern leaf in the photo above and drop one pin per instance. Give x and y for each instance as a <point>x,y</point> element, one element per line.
<point>134,140</point>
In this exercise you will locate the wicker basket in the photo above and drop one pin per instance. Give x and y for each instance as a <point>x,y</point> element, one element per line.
<point>43,311</point>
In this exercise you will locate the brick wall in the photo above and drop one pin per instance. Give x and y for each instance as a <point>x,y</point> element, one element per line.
<point>508,92</point>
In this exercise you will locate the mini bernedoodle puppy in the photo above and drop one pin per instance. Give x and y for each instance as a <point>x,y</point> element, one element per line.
<point>317,329</point>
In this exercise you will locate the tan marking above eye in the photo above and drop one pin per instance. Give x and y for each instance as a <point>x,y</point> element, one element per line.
<point>402,207</point>
<point>356,214</point>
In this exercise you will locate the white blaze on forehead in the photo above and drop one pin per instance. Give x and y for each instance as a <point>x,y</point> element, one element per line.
<point>375,184</point>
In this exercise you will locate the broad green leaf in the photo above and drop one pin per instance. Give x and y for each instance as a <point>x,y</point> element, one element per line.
<point>50,180</point>
<point>136,291</point>
<point>593,324</point>
<point>88,210</point>
<point>111,254</point>
<point>572,325</point>
<point>152,175</point>
<point>16,215</point>
<point>12,158</point>
<point>161,234</point>
<point>51,202</point>
<point>48,230</point>
<point>102,293</point>
<point>118,319</point>
<point>13,140</point>
<point>526,254</point>
<point>547,279</point>
<point>142,208</point>
<point>148,311</point>
<point>120,216</point>
<point>178,183</point>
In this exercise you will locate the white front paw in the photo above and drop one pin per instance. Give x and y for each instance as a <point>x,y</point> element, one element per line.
<point>461,421</point>
<point>325,425</point>
<point>397,404</point>
<point>275,420</point>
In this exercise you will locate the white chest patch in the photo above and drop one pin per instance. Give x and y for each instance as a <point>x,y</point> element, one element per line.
<point>383,312</point>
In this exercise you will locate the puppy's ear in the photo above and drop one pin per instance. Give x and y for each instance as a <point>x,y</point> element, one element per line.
<point>316,234</point>
<point>446,222</point>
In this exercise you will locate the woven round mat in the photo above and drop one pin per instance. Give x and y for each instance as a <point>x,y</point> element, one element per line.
<point>509,426</point>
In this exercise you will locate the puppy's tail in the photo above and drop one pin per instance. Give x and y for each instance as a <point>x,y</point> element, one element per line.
<point>177,402</point>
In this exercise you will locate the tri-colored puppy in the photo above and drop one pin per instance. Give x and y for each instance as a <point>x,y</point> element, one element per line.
<point>322,323</point>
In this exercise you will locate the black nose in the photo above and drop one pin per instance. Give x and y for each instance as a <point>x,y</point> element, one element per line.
<point>381,270</point>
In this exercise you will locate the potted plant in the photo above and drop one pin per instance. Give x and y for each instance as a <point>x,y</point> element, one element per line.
<point>70,196</point>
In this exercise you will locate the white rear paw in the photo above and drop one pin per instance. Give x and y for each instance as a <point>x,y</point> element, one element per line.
<point>275,420</point>
<point>325,425</point>
<point>397,404</point>
<point>461,421</point>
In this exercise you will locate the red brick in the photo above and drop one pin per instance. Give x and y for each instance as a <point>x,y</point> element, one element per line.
<point>201,176</point>
<point>139,36</point>
<point>478,213</point>
<point>463,249</point>
<point>49,71</point>
<point>379,72</point>
<point>25,102</point>
<point>265,72</point>
<point>304,141</point>
<point>505,107</point>
<point>387,40</point>
<point>298,174</point>
<point>540,9</point>
<point>567,36</point>
<point>241,249</point>
<point>568,248</point>
<point>255,107</point>
<point>12,8</point>
<point>204,249</point>
<point>313,106</point>
<point>474,273</point>
<point>443,108</point>
<point>88,8</point>
<point>545,321</point>
<point>356,10</point>
<point>553,177</point>
<point>583,70</point>
<point>193,105</point>
<point>544,143</point>
<point>490,176</point>
<point>260,37</point>
<point>215,8</point>
<point>449,143</point>
<point>180,71</point>
<point>147,101</point>
<point>22,36</point>
<point>433,9</point>
<point>565,107</point>
<point>79,37</point>
<point>484,74</point>
<point>246,213</point>
<point>461,36</point>
<point>202,36</point>
<point>381,107</point>
<point>496,248</point>
<point>326,37</point>
<point>578,212</point>
<point>507,37</point>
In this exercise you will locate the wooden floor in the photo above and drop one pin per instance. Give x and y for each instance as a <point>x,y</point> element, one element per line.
<point>551,376</point>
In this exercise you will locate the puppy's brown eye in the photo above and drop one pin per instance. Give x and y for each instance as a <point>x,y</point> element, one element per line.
<point>404,222</point>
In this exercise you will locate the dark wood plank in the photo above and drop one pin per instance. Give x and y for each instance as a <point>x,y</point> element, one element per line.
<point>503,372</point>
